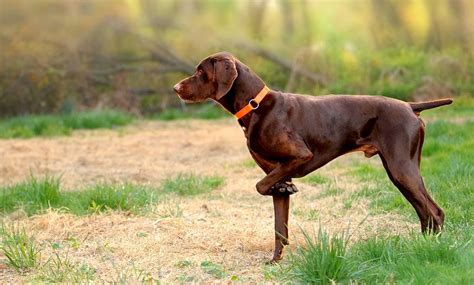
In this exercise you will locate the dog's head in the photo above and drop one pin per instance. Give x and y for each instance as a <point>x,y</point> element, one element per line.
<point>213,78</point>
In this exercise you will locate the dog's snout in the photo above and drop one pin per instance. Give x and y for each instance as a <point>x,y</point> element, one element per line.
<point>177,88</point>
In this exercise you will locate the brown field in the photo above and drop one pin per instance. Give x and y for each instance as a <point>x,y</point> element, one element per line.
<point>232,227</point>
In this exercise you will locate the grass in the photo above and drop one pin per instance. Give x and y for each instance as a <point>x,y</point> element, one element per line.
<point>61,125</point>
<point>434,259</point>
<point>202,111</point>
<point>23,254</point>
<point>321,260</point>
<point>316,179</point>
<point>216,270</point>
<point>21,250</point>
<point>191,185</point>
<point>462,107</point>
<point>33,195</point>
<point>416,259</point>
<point>36,195</point>
<point>132,275</point>
<point>61,269</point>
<point>104,197</point>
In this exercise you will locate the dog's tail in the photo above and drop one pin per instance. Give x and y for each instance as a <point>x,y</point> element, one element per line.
<point>420,106</point>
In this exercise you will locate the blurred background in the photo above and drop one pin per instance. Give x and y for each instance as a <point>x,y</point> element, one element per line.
<point>65,56</point>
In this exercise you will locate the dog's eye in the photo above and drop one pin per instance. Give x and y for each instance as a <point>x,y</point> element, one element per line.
<point>199,72</point>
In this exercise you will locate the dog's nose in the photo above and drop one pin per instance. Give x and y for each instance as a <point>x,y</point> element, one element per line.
<point>177,88</point>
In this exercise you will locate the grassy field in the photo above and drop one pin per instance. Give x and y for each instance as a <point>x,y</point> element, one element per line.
<point>60,125</point>
<point>175,202</point>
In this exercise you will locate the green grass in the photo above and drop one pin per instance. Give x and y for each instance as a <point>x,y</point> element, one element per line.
<point>21,250</point>
<point>61,125</point>
<point>442,259</point>
<point>23,253</point>
<point>216,270</point>
<point>61,269</point>
<point>203,111</point>
<point>416,259</point>
<point>249,163</point>
<point>190,184</point>
<point>35,195</point>
<point>105,197</point>
<point>316,179</point>
<point>320,260</point>
<point>462,107</point>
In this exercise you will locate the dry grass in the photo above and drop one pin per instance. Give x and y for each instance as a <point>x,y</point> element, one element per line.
<point>232,227</point>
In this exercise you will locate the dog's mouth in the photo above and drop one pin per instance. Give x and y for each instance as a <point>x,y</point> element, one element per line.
<point>187,99</point>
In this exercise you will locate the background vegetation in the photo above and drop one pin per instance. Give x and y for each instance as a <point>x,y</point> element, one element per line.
<point>64,56</point>
<point>67,65</point>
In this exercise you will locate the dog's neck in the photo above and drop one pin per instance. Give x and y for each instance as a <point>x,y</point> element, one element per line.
<point>246,86</point>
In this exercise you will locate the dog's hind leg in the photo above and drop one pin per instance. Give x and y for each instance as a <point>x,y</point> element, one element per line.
<point>403,168</point>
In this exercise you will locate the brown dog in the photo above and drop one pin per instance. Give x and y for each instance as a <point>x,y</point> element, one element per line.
<point>292,135</point>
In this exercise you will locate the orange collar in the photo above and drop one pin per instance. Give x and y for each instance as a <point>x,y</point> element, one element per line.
<point>253,103</point>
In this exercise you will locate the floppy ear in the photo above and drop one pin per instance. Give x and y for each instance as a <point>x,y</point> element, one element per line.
<point>225,73</point>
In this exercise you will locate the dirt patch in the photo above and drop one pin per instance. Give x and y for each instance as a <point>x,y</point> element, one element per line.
<point>233,226</point>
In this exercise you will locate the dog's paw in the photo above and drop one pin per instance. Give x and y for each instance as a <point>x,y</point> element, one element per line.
<point>284,188</point>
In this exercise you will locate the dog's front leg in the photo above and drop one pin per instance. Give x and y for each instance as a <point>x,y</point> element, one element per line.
<point>283,171</point>
<point>281,207</point>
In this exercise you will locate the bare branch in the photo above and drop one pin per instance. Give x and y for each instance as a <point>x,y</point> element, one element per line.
<point>286,64</point>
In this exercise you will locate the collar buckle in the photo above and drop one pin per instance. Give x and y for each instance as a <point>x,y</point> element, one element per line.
<point>254,104</point>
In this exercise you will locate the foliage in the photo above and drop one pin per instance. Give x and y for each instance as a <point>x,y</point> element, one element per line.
<point>128,54</point>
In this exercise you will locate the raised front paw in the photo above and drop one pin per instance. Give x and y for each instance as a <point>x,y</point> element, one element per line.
<point>283,188</point>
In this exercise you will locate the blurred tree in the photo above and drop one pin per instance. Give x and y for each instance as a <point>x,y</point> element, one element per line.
<point>57,55</point>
